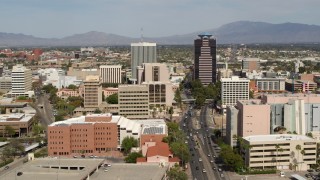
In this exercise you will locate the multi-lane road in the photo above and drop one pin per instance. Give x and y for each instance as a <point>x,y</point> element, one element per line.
<point>44,109</point>
<point>204,161</point>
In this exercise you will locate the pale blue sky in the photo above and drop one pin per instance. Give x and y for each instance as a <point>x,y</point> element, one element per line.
<point>60,18</point>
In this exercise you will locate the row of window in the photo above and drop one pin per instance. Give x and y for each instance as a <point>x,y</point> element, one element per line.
<point>61,153</point>
<point>131,92</point>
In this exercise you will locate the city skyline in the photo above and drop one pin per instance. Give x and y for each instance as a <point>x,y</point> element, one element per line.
<point>56,19</point>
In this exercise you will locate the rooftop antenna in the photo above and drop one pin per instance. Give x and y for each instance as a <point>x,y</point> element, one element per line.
<point>141,31</point>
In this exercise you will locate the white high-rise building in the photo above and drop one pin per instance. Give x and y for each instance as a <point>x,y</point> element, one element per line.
<point>110,73</point>
<point>21,80</point>
<point>142,52</point>
<point>234,89</point>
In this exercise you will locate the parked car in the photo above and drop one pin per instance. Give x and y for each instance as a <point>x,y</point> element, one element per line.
<point>19,173</point>
<point>7,167</point>
<point>204,170</point>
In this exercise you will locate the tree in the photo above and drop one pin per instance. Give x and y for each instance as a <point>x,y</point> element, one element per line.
<point>16,147</point>
<point>132,157</point>
<point>21,98</point>
<point>75,101</point>
<point>281,151</point>
<point>309,134</point>
<point>170,111</point>
<point>113,99</point>
<point>298,148</point>
<point>177,97</point>
<point>103,97</point>
<point>251,94</point>
<point>181,150</point>
<point>37,129</point>
<point>72,86</point>
<point>9,130</point>
<point>302,153</point>
<point>176,174</point>
<point>128,143</point>
<point>97,111</point>
<point>200,100</point>
<point>58,118</point>
<point>277,148</point>
<point>231,158</point>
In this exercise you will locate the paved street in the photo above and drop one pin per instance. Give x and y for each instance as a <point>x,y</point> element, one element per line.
<point>45,113</point>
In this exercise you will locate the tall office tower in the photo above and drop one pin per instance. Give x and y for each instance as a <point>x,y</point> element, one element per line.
<point>110,74</point>
<point>205,61</point>
<point>142,52</point>
<point>21,80</point>
<point>133,101</point>
<point>234,89</point>
<point>92,92</point>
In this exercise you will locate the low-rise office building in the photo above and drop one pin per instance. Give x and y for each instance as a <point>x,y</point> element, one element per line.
<point>20,122</point>
<point>97,134</point>
<point>65,93</point>
<point>300,86</point>
<point>280,151</point>
<point>133,101</point>
<point>270,84</point>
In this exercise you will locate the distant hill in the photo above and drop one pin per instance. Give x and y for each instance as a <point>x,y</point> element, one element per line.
<point>237,32</point>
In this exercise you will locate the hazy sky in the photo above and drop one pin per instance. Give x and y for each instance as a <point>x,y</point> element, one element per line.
<point>60,18</point>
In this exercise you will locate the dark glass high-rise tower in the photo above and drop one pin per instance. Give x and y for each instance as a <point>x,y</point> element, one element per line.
<point>205,61</point>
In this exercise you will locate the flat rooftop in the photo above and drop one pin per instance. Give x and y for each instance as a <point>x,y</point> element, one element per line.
<point>277,137</point>
<point>131,172</point>
<point>21,117</point>
<point>48,169</point>
<point>81,120</point>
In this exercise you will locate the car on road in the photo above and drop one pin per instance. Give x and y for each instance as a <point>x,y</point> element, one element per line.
<point>200,159</point>
<point>75,156</point>
<point>106,165</point>
<point>197,168</point>
<point>209,155</point>
<point>211,161</point>
<point>19,173</point>
<point>92,156</point>
<point>204,170</point>
<point>7,167</point>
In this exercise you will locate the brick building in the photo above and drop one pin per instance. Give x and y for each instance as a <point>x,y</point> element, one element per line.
<point>96,134</point>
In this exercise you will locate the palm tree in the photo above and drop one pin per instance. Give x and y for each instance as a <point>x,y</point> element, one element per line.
<point>302,152</point>
<point>277,147</point>
<point>298,148</point>
<point>281,151</point>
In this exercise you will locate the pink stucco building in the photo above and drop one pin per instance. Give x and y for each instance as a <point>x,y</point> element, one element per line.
<point>253,118</point>
<point>157,152</point>
<point>284,98</point>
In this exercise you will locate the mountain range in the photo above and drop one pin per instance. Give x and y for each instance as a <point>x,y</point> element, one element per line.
<point>239,32</point>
